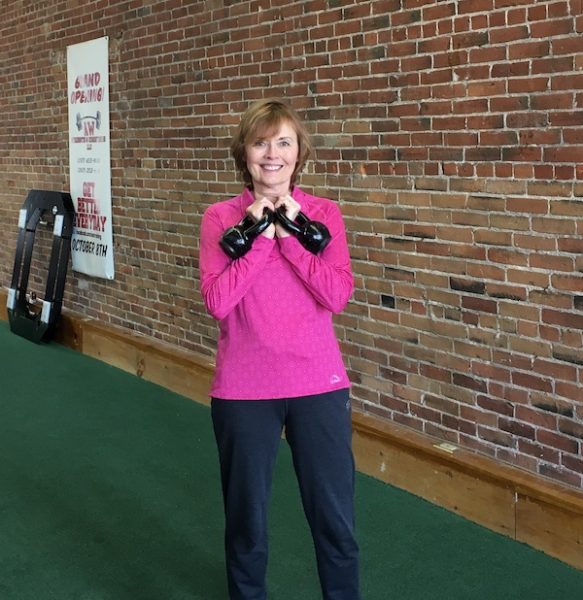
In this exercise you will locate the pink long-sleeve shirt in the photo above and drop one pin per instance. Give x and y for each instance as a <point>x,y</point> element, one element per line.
<point>274,305</point>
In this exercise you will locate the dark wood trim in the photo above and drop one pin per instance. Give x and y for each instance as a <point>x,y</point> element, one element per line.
<point>521,505</point>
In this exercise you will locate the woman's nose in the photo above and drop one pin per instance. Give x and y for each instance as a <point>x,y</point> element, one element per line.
<point>270,149</point>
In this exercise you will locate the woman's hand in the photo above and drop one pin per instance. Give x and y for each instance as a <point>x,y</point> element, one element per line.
<point>256,209</point>
<point>292,208</point>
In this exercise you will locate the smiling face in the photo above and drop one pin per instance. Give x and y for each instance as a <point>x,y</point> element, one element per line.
<point>271,157</point>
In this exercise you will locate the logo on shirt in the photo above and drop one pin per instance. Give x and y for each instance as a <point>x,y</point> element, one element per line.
<point>335,379</point>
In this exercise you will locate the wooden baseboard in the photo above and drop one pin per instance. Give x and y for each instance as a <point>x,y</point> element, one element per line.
<point>518,504</point>
<point>178,370</point>
<point>531,509</point>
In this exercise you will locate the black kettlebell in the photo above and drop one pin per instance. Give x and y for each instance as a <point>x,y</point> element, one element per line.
<point>236,241</point>
<point>312,235</point>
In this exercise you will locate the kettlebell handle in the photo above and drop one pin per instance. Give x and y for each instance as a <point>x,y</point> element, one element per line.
<point>293,227</point>
<point>260,226</point>
<point>237,240</point>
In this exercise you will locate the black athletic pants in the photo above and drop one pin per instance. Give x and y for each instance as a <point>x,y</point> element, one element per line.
<point>318,430</point>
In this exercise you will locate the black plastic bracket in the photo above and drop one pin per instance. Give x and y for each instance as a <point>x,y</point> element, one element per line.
<point>40,325</point>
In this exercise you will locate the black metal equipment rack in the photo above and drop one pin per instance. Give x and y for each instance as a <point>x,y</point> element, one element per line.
<point>40,326</point>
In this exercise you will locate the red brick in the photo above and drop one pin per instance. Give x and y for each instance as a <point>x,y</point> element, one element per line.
<point>555,440</point>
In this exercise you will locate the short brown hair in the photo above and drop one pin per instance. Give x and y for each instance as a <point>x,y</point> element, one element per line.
<point>267,115</point>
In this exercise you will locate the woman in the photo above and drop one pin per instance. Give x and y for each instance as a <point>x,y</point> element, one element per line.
<point>278,364</point>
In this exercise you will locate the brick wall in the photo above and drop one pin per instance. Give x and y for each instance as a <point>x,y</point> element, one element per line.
<point>451,134</point>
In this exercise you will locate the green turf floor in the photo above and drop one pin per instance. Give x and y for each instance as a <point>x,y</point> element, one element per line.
<point>109,490</point>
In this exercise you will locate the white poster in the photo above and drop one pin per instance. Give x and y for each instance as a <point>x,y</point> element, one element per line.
<point>89,157</point>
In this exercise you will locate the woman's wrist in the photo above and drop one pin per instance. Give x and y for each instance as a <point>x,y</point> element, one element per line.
<point>270,232</point>
<point>281,231</point>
